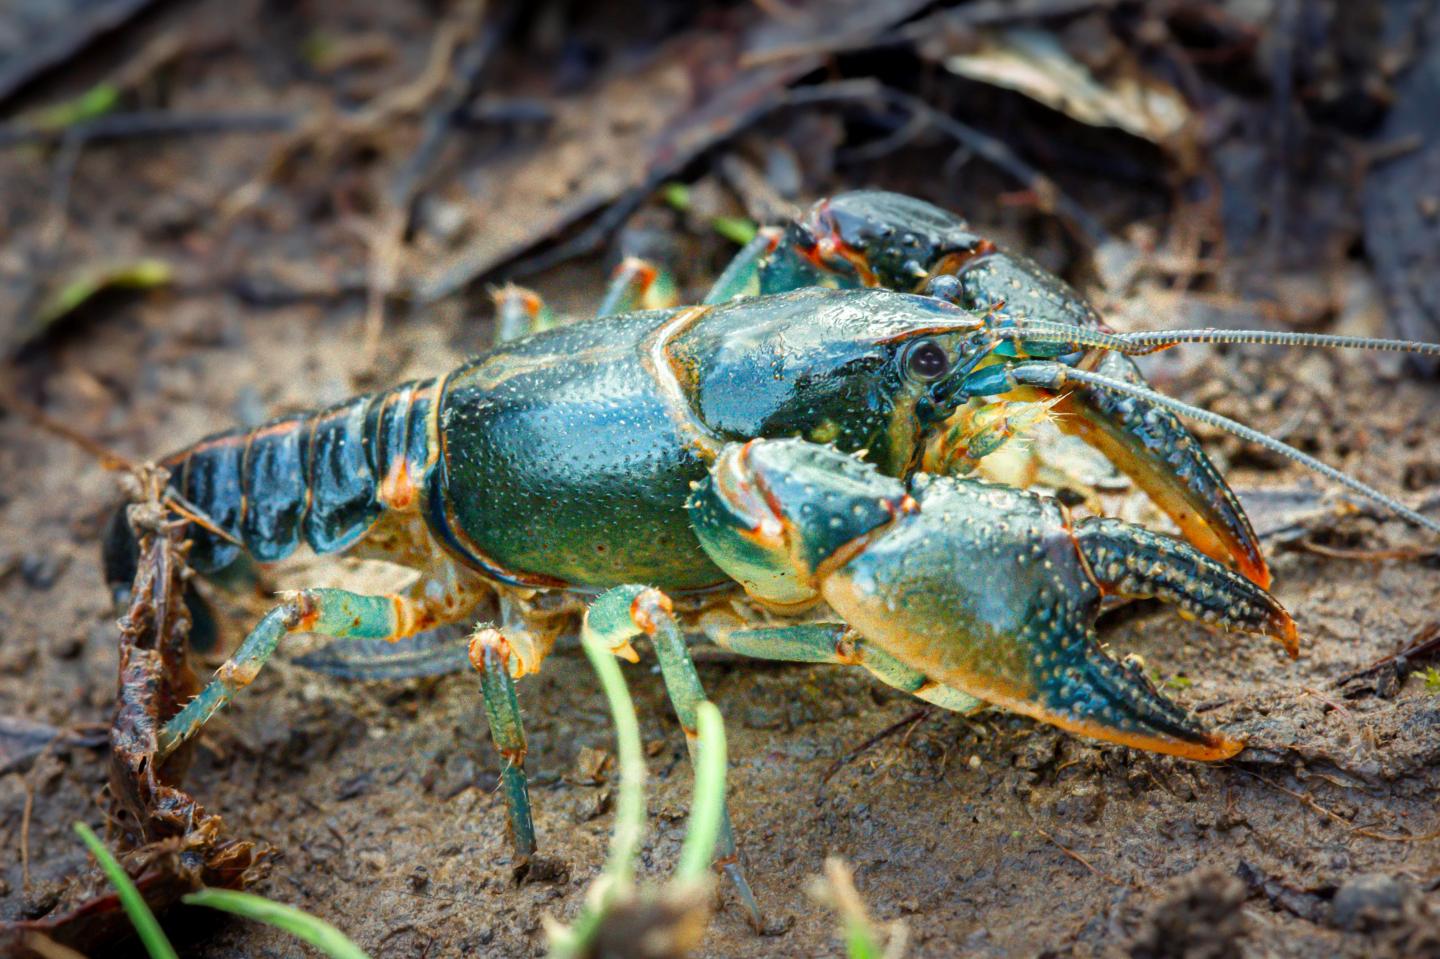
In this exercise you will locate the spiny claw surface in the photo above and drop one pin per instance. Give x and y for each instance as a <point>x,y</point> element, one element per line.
<point>1135,563</point>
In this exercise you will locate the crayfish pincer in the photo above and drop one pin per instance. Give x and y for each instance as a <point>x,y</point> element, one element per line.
<point>962,592</point>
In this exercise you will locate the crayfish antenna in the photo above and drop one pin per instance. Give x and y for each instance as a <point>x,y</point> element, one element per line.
<point>108,458</point>
<point>1055,375</point>
<point>1153,341</point>
<point>1150,341</point>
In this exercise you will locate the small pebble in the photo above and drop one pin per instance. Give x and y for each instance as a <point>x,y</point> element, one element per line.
<point>374,861</point>
<point>1367,901</point>
<point>41,570</point>
<point>591,765</point>
<point>68,647</point>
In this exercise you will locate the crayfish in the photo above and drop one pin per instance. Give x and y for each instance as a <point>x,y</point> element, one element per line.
<point>804,435</point>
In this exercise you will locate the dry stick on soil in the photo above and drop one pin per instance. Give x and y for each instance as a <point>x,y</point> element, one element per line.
<point>1312,691</point>
<point>909,721</point>
<point>48,948</point>
<point>1051,198</point>
<point>1282,42</point>
<point>141,124</point>
<point>25,815</point>
<point>1085,862</point>
<point>328,130</point>
<point>108,458</point>
<point>387,241</point>
<point>1367,555</point>
<point>1425,643</point>
<point>1365,831</point>
<point>667,162</point>
<point>114,462</point>
<point>72,140</point>
<point>28,810</point>
<point>83,25</point>
<point>953,21</point>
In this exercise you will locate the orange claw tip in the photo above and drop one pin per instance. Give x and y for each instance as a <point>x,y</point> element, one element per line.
<point>1218,748</point>
<point>1206,747</point>
<point>1252,566</point>
<point>1196,744</point>
<point>1287,634</point>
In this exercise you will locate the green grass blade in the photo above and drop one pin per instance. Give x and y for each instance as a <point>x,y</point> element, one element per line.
<point>736,229</point>
<point>146,926</point>
<point>302,925</point>
<point>677,195</point>
<point>629,829</point>
<point>90,105</point>
<point>860,941</point>
<point>707,806</point>
<point>630,798</point>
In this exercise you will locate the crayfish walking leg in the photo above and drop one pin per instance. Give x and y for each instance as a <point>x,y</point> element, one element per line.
<point>637,284</point>
<point>626,612</point>
<point>490,655</point>
<point>337,613</point>
<point>838,644</point>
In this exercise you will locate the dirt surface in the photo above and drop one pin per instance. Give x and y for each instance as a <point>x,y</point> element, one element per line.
<point>989,836</point>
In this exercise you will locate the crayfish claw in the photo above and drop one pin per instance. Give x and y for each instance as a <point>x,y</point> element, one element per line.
<point>1132,562</point>
<point>1091,693</point>
<point>1151,446</point>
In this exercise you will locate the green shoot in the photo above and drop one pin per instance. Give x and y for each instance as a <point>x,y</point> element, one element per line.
<point>677,195</point>
<point>619,873</point>
<point>614,891</point>
<point>146,926</point>
<point>317,932</point>
<point>142,274</point>
<point>630,801</point>
<point>736,229</point>
<point>90,105</point>
<point>862,939</point>
<point>1432,680</point>
<point>707,806</point>
<point>301,925</point>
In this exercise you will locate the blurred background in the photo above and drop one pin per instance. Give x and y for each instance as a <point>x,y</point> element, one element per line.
<point>216,211</point>
<point>252,155</point>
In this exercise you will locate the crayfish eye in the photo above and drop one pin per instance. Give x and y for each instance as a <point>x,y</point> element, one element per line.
<point>927,360</point>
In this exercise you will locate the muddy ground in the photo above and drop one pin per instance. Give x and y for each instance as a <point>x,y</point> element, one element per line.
<point>990,836</point>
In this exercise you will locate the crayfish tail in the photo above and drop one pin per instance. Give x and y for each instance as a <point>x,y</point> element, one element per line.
<point>1132,562</point>
<point>322,478</point>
